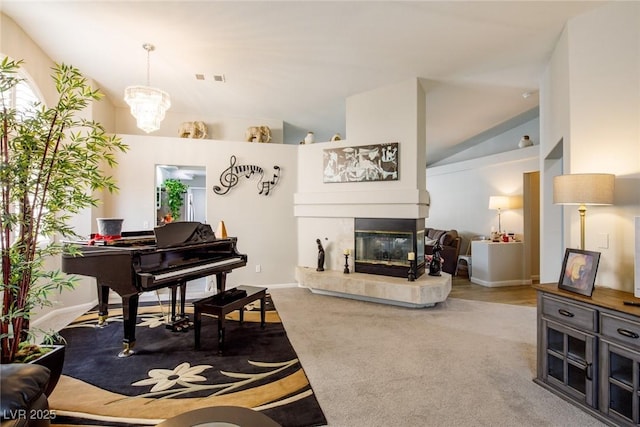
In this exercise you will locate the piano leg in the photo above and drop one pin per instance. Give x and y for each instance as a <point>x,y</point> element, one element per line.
<point>221,281</point>
<point>179,323</point>
<point>173,302</point>
<point>129,314</point>
<point>103,305</point>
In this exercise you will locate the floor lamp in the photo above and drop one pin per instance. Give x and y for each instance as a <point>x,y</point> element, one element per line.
<point>583,189</point>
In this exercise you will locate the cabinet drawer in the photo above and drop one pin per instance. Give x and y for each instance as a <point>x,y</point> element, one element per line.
<point>580,317</point>
<point>620,329</point>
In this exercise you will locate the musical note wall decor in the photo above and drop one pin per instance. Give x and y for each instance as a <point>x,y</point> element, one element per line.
<point>229,178</point>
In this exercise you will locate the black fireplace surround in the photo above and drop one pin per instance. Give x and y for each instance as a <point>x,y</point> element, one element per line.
<point>382,246</point>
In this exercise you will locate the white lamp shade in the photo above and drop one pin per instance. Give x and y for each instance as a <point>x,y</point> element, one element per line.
<point>584,189</point>
<point>498,202</point>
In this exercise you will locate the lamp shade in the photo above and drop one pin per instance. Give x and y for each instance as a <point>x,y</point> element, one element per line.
<point>584,189</point>
<point>498,202</point>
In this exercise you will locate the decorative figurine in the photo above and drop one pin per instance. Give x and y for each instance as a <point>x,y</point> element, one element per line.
<point>196,130</point>
<point>346,261</point>
<point>258,134</point>
<point>320,256</point>
<point>435,266</point>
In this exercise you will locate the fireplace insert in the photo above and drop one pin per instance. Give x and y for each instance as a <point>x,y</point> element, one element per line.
<point>383,245</point>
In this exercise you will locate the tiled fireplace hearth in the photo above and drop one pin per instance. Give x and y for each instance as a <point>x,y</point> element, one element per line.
<point>425,291</point>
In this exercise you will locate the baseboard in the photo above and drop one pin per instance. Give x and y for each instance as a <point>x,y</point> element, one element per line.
<point>498,284</point>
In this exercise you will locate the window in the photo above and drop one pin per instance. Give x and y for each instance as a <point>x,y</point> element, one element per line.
<point>24,98</point>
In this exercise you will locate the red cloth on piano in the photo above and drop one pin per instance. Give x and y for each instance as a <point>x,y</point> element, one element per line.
<point>108,237</point>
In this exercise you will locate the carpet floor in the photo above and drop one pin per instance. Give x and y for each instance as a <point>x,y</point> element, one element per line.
<point>166,376</point>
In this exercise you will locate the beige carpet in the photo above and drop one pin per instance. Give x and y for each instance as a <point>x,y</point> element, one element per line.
<point>461,363</point>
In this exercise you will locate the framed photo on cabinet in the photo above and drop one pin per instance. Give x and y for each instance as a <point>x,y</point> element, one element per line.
<point>579,270</point>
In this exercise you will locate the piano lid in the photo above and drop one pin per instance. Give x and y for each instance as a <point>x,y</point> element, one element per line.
<point>182,233</point>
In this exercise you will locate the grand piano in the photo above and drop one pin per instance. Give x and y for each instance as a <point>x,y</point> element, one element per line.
<point>167,257</point>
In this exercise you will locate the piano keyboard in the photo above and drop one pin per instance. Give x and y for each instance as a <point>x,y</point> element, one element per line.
<point>186,271</point>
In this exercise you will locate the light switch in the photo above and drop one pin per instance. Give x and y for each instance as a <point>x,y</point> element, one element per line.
<point>603,240</point>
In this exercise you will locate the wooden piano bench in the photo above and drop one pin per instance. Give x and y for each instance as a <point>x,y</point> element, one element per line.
<point>220,305</point>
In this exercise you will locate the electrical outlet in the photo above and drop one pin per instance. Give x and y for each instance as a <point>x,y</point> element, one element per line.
<point>258,268</point>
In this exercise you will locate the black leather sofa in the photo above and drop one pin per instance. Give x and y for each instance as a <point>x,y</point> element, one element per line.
<point>22,395</point>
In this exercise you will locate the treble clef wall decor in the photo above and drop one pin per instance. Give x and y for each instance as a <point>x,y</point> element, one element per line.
<point>229,177</point>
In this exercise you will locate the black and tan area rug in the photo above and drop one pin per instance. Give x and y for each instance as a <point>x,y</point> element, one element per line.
<point>166,376</point>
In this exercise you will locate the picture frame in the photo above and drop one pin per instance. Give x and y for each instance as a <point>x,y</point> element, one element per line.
<point>376,162</point>
<point>579,270</point>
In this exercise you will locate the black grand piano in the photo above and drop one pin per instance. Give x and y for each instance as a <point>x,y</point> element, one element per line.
<point>136,262</point>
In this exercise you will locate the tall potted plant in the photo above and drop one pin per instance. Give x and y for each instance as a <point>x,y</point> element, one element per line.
<point>51,161</point>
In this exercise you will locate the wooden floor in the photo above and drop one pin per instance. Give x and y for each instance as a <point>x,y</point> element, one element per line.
<point>462,288</point>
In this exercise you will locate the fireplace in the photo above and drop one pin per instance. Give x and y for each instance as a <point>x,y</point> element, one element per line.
<point>382,246</point>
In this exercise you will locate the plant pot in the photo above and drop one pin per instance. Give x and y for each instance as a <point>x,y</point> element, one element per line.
<point>109,226</point>
<point>54,360</point>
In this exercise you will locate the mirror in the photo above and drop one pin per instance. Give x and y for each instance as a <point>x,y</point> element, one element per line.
<point>180,193</point>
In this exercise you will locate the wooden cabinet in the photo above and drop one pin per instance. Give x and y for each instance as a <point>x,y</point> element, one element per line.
<point>620,370</point>
<point>589,351</point>
<point>569,349</point>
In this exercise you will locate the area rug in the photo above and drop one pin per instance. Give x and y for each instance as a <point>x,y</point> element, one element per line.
<point>166,376</point>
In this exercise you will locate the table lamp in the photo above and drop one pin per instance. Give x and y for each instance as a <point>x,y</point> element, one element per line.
<point>498,203</point>
<point>583,189</point>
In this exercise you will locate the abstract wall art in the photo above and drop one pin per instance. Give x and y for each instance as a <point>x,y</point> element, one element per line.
<point>379,162</point>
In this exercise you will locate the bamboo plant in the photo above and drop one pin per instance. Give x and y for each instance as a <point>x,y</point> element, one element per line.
<point>51,162</point>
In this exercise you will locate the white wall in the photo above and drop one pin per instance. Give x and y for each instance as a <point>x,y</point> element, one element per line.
<point>591,102</point>
<point>264,225</point>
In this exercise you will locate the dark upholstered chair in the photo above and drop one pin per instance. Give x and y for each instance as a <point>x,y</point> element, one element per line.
<point>450,243</point>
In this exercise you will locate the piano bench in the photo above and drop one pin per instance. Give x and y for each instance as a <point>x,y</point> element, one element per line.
<point>220,307</point>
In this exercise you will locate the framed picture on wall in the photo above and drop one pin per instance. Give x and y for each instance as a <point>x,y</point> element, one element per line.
<point>361,163</point>
<point>579,271</point>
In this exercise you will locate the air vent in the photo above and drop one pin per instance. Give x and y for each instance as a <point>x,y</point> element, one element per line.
<point>218,78</point>
<point>199,76</point>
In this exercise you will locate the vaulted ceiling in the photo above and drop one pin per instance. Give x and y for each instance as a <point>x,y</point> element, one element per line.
<point>298,61</point>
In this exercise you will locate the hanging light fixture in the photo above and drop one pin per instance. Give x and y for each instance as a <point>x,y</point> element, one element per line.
<point>148,104</point>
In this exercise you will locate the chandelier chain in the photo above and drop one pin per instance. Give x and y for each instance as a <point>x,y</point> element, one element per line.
<point>148,47</point>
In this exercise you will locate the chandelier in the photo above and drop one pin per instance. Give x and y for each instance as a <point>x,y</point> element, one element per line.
<point>148,104</point>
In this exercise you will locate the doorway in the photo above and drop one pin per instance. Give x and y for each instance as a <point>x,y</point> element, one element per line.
<point>193,202</point>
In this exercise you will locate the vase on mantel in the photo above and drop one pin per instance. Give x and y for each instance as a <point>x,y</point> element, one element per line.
<point>310,138</point>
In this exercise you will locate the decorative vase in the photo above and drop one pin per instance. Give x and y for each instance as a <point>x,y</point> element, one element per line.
<point>525,142</point>
<point>310,138</point>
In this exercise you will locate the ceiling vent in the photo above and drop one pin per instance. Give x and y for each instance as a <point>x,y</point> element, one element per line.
<point>218,78</point>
